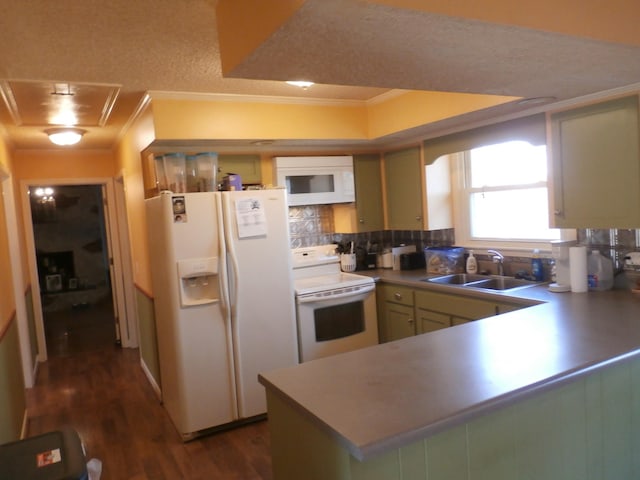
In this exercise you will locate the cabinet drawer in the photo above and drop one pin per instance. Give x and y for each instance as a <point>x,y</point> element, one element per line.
<point>397,294</point>
<point>455,305</point>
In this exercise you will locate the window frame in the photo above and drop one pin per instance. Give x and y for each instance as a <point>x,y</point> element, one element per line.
<point>462,219</point>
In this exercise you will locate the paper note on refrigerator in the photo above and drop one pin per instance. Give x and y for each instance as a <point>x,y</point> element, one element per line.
<point>251,218</point>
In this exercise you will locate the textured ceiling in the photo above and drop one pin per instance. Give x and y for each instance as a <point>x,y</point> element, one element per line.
<point>357,50</point>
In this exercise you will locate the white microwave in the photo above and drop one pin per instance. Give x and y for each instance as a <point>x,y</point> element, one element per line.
<point>316,180</point>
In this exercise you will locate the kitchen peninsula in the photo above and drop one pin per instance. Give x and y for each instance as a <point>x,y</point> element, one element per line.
<point>549,391</point>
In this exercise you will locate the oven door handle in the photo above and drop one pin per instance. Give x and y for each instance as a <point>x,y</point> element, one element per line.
<point>311,297</point>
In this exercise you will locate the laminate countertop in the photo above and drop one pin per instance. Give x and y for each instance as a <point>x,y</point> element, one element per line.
<point>389,395</point>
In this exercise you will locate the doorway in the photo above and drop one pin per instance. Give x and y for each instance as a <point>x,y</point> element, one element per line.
<point>73,268</point>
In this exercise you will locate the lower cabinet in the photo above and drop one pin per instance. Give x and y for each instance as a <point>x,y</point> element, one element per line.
<point>403,311</point>
<point>396,318</point>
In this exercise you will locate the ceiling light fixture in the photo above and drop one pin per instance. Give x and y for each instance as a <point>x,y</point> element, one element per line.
<point>65,136</point>
<point>300,83</point>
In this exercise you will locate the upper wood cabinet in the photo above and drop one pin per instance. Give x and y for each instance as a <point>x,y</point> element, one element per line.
<point>417,197</point>
<point>595,166</point>
<point>403,179</point>
<point>247,166</point>
<point>368,182</point>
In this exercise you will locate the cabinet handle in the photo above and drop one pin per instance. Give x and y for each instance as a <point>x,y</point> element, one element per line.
<point>397,296</point>
<point>361,220</point>
<point>557,213</point>
<point>409,320</point>
<point>418,218</point>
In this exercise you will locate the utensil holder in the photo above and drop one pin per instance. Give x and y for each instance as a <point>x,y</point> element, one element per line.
<point>348,262</point>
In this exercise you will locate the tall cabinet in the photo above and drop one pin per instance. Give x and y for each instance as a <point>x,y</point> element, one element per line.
<point>595,166</point>
<point>418,197</point>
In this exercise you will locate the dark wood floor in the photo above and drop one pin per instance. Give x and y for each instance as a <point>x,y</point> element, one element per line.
<point>83,328</point>
<point>103,394</point>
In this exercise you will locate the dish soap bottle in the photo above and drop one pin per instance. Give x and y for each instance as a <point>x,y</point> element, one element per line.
<point>537,271</point>
<point>472,263</point>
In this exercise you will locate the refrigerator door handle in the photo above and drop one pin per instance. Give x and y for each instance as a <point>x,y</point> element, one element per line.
<point>222,263</point>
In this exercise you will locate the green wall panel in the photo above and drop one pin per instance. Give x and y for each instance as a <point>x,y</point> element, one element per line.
<point>12,393</point>
<point>586,429</point>
<point>148,340</point>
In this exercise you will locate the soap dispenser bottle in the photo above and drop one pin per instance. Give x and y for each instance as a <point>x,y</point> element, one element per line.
<point>472,263</point>
<point>537,270</point>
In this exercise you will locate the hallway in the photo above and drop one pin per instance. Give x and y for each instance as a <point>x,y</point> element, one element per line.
<point>82,328</point>
<point>105,396</point>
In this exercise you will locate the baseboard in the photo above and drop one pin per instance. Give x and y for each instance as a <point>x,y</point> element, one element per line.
<point>152,381</point>
<point>23,430</point>
<point>36,364</point>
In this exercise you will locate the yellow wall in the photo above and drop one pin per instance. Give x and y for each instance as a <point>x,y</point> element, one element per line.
<point>139,136</point>
<point>415,108</point>
<point>7,301</point>
<point>61,164</point>
<point>256,27</point>
<point>213,119</point>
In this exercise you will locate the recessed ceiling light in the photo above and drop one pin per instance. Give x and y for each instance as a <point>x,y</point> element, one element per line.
<point>300,83</point>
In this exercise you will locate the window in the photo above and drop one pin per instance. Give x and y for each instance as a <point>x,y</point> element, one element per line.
<point>502,197</point>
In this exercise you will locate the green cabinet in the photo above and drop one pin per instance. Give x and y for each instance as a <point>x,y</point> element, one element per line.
<point>395,312</point>
<point>447,310</point>
<point>368,182</point>
<point>247,166</point>
<point>403,179</point>
<point>418,197</point>
<point>596,166</point>
<point>403,311</point>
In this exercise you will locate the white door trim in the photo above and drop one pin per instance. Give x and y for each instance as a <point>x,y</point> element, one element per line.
<point>17,275</point>
<point>112,229</point>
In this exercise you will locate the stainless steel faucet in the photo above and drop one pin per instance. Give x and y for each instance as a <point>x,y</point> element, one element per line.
<point>497,258</point>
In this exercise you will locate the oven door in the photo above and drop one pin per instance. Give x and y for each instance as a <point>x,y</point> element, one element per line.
<point>333,325</point>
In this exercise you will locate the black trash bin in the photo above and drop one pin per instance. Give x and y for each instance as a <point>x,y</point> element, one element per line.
<point>57,455</point>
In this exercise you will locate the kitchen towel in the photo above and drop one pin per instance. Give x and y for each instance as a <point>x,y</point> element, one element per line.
<point>578,269</point>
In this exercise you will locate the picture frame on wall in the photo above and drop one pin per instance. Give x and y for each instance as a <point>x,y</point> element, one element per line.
<point>54,282</point>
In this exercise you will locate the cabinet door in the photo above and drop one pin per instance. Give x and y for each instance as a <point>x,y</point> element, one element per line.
<point>428,321</point>
<point>507,307</point>
<point>403,172</point>
<point>459,321</point>
<point>596,166</point>
<point>247,166</point>
<point>400,322</point>
<point>455,305</point>
<point>368,182</point>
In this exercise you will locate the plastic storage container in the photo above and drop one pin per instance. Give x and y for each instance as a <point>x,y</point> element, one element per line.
<point>444,259</point>
<point>161,176</point>
<point>175,169</point>
<point>56,455</point>
<point>207,171</point>
<point>192,174</point>
<point>600,272</point>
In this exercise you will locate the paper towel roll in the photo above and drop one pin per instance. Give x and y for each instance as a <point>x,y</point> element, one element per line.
<point>578,269</point>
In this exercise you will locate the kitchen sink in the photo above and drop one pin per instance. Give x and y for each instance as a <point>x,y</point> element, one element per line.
<point>457,278</point>
<point>484,282</point>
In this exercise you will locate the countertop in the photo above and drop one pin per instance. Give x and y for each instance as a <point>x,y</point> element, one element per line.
<point>389,395</point>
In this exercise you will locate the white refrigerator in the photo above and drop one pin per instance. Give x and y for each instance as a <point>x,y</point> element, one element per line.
<point>223,299</point>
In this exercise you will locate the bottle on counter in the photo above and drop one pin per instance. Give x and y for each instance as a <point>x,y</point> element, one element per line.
<point>472,263</point>
<point>537,271</point>
<point>599,272</point>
